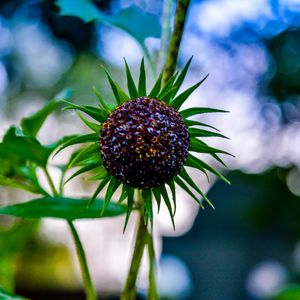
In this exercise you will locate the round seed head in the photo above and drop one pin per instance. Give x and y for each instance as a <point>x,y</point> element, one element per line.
<point>144,143</point>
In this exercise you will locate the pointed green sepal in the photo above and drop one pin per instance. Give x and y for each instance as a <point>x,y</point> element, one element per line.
<point>148,210</point>
<point>102,103</point>
<point>130,83</point>
<point>191,123</point>
<point>100,187</point>
<point>95,127</point>
<point>185,187</point>
<point>171,184</point>
<point>157,86</point>
<point>82,170</point>
<point>111,189</point>
<point>119,94</point>
<point>79,157</point>
<point>165,196</point>
<point>200,147</point>
<point>157,196</point>
<point>167,86</point>
<point>130,202</point>
<point>200,110</point>
<point>181,98</point>
<point>196,132</point>
<point>142,80</point>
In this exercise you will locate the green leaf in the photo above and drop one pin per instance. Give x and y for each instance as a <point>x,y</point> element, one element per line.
<point>86,138</point>
<point>142,80</point>
<point>165,196</point>
<point>157,86</point>
<point>130,83</point>
<point>167,96</point>
<point>157,196</point>
<point>111,189</point>
<point>31,125</point>
<point>181,98</point>
<point>101,173</point>
<point>191,123</point>
<point>195,132</point>
<point>148,211</point>
<point>62,208</point>
<point>91,125</point>
<point>185,187</point>
<point>102,103</point>
<point>94,112</point>
<point>123,194</point>
<point>82,170</point>
<point>8,296</point>
<point>198,163</point>
<point>292,292</point>
<point>181,76</point>
<point>190,162</point>
<point>130,203</point>
<point>17,145</point>
<point>185,176</point>
<point>200,110</point>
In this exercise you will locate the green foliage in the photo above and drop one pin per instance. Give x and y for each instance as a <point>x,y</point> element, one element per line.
<point>8,296</point>
<point>62,208</point>
<point>290,293</point>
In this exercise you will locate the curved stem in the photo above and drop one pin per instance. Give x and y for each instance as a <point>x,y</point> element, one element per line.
<point>87,281</point>
<point>129,291</point>
<point>171,61</point>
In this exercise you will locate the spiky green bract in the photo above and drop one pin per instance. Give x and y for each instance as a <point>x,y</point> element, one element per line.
<point>90,159</point>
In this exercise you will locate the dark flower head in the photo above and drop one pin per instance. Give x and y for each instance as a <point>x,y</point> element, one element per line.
<point>144,143</point>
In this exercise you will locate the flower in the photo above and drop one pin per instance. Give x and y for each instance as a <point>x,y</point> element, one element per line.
<point>145,142</point>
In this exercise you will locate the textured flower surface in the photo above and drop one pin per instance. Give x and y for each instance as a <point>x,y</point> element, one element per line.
<point>145,142</point>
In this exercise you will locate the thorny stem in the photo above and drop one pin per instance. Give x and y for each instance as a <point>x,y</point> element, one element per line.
<point>129,291</point>
<point>171,61</point>
<point>87,281</point>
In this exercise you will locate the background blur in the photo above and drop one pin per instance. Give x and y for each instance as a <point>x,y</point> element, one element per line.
<point>249,247</point>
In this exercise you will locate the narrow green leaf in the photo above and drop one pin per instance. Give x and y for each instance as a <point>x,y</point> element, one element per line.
<point>148,211</point>
<point>130,202</point>
<point>165,196</point>
<point>181,76</point>
<point>87,138</point>
<point>99,189</point>
<point>185,176</point>
<point>200,110</point>
<point>167,96</point>
<point>95,127</point>
<point>101,173</point>
<point>102,103</point>
<point>201,147</point>
<point>196,132</point>
<point>181,98</point>
<point>83,154</point>
<point>171,184</point>
<point>119,94</point>
<point>167,86</point>
<point>142,80</point>
<point>191,163</point>
<point>130,83</point>
<point>191,123</point>
<point>62,208</point>
<point>111,189</point>
<point>82,170</point>
<point>185,187</point>
<point>157,196</point>
<point>123,195</point>
<point>94,112</point>
<point>201,164</point>
<point>157,86</point>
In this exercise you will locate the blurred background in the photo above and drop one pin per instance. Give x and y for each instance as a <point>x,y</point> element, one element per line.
<point>246,249</point>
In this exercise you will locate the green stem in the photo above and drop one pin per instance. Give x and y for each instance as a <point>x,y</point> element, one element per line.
<point>152,289</point>
<point>87,281</point>
<point>172,55</point>
<point>129,291</point>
